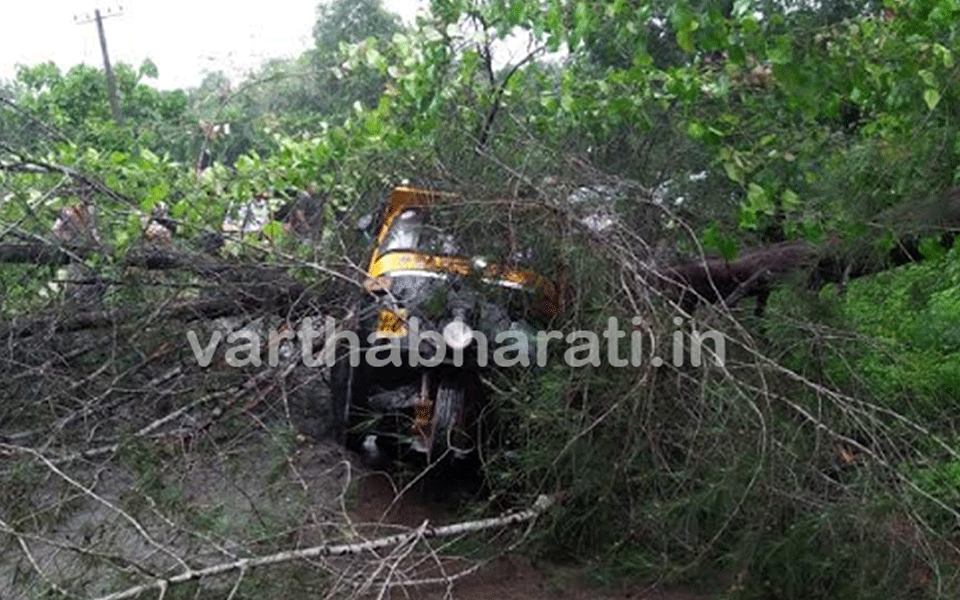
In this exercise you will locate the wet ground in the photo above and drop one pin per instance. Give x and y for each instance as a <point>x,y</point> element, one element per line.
<point>507,577</point>
<point>116,524</point>
<point>253,484</point>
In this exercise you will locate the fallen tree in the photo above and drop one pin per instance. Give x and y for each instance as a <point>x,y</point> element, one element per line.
<point>755,272</point>
<point>282,298</point>
<point>44,253</point>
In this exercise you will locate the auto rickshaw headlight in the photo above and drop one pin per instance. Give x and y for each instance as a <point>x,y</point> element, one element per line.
<point>457,335</point>
<point>480,263</point>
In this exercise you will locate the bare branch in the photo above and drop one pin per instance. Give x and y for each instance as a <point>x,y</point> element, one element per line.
<point>423,532</point>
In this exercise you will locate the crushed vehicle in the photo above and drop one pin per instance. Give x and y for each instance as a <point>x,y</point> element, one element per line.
<point>428,291</point>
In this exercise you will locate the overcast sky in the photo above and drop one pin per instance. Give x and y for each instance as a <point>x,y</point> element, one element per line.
<point>183,38</point>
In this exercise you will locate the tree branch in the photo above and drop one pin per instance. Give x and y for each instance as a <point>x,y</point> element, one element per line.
<point>498,95</point>
<point>425,531</point>
<point>279,296</point>
<point>27,164</point>
<point>50,130</point>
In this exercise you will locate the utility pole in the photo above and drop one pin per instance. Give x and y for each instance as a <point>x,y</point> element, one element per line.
<point>111,83</point>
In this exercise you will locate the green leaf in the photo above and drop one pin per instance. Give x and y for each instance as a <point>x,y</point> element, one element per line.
<point>555,20</point>
<point>741,8</point>
<point>788,75</point>
<point>133,225</point>
<point>516,12</point>
<point>696,130</point>
<point>931,249</point>
<point>685,40</point>
<point>945,55</point>
<point>374,59</point>
<point>738,55</point>
<point>758,200</point>
<point>178,210</point>
<point>887,242</point>
<point>680,15</point>
<point>582,20</point>
<point>122,239</point>
<point>782,52</point>
<point>150,157</point>
<point>713,239</point>
<point>154,195</point>
<point>812,231</point>
<point>789,199</point>
<point>734,172</point>
<point>273,229</point>
<point>728,248</point>
<point>581,13</point>
<point>748,218</point>
<point>932,97</point>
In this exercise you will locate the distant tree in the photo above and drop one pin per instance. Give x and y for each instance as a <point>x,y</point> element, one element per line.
<point>296,96</point>
<point>76,104</point>
<point>348,22</point>
<point>351,21</point>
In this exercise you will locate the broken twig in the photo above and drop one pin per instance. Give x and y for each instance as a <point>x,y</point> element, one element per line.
<point>424,531</point>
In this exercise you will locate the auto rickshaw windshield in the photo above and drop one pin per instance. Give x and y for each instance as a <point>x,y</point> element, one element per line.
<point>404,232</point>
<point>414,230</point>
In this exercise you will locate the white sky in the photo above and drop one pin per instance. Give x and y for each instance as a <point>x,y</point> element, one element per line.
<point>183,38</point>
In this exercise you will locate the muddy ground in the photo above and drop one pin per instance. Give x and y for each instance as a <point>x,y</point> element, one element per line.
<point>262,480</point>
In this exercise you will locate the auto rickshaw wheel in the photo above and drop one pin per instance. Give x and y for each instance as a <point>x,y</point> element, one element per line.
<point>342,395</point>
<point>454,417</point>
<point>351,420</point>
